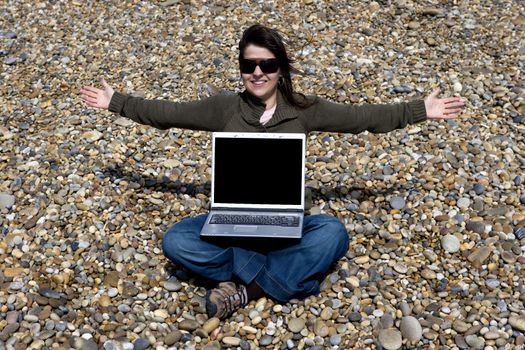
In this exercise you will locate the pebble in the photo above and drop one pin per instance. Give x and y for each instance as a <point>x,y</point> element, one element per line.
<point>397,202</point>
<point>320,328</point>
<point>173,284</point>
<point>460,326</point>
<point>450,243</point>
<point>476,226</point>
<point>233,341</point>
<point>390,338</point>
<point>266,340</point>
<point>211,324</point>
<point>411,328</point>
<point>173,337</point>
<point>141,344</point>
<point>474,341</point>
<point>464,203</point>
<point>295,325</point>
<point>335,339</point>
<point>189,325</point>
<point>517,322</point>
<point>6,200</point>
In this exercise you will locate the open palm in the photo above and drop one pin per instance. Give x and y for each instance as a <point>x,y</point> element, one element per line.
<point>442,108</point>
<point>95,97</point>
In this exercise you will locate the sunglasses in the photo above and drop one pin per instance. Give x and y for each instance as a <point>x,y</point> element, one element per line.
<point>270,65</point>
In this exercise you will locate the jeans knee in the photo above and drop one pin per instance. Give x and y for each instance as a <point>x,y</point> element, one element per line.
<point>335,235</point>
<point>170,245</point>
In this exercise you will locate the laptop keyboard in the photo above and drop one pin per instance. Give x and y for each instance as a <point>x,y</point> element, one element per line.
<point>237,219</point>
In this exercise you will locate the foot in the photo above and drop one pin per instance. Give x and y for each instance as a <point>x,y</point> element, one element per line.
<point>224,300</point>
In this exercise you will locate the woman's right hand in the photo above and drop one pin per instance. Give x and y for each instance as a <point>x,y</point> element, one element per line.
<point>95,97</point>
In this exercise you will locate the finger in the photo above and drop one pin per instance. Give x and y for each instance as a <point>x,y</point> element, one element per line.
<point>90,101</point>
<point>451,100</point>
<point>454,104</point>
<point>104,83</point>
<point>452,111</point>
<point>89,93</point>
<point>435,92</point>
<point>91,88</point>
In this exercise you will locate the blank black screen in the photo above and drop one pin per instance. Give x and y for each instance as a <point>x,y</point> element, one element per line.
<point>258,171</point>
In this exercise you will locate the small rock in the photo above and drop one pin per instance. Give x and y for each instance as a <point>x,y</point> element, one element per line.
<point>49,293</point>
<point>233,341</point>
<point>335,339</point>
<point>460,326</point>
<point>125,122</point>
<point>390,338</point>
<point>411,328</point>
<point>450,243</point>
<point>320,328</point>
<point>172,337</point>
<point>211,324</point>
<point>476,226</point>
<point>266,340</point>
<point>188,325</point>
<point>397,202</point>
<point>474,341</point>
<point>401,268</point>
<point>463,203</point>
<point>295,325</point>
<point>6,200</point>
<point>141,344</point>
<point>478,257</point>
<point>92,136</point>
<point>431,11</point>
<point>517,322</point>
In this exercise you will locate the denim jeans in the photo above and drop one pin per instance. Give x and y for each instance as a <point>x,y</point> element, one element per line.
<point>285,271</point>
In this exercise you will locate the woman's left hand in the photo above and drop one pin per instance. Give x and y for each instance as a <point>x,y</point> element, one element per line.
<point>442,108</point>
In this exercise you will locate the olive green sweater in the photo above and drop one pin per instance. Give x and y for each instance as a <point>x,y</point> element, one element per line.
<point>242,112</point>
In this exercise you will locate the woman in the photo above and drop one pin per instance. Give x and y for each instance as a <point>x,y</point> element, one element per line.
<point>268,104</point>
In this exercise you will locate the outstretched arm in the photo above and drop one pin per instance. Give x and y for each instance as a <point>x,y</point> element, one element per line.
<point>95,97</point>
<point>442,108</point>
<point>209,114</point>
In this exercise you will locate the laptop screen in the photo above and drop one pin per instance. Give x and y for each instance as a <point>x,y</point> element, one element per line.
<point>260,171</point>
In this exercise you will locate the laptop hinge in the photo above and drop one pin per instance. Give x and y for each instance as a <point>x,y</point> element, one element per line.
<point>258,209</point>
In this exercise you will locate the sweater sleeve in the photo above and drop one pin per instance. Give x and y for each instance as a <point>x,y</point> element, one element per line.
<point>380,118</point>
<point>207,114</point>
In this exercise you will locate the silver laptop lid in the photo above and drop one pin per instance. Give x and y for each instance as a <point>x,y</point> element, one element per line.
<point>258,170</point>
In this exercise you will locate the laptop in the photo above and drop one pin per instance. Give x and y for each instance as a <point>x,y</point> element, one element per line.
<point>257,186</point>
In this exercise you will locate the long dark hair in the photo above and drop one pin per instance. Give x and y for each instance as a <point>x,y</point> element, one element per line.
<point>272,40</point>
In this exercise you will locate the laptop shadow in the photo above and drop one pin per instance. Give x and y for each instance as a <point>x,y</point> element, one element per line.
<point>164,184</point>
<point>160,183</point>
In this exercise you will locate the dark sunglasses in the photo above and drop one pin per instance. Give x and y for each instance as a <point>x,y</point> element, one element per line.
<point>270,65</point>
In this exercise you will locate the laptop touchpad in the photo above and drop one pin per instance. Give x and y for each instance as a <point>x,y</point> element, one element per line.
<point>244,228</point>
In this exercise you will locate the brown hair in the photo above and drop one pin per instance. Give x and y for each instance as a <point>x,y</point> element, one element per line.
<point>272,40</point>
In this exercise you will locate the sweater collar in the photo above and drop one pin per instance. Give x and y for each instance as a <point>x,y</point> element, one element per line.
<point>252,108</point>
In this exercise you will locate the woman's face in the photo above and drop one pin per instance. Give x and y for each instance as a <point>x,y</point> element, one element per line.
<point>258,83</point>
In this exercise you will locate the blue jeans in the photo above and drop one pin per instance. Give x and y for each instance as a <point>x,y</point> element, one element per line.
<point>287,271</point>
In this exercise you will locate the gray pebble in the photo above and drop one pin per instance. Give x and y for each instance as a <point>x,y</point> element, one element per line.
<point>172,284</point>
<point>397,202</point>
<point>463,203</point>
<point>450,243</point>
<point>140,344</point>
<point>6,200</point>
<point>335,339</point>
<point>266,340</point>
<point>124,308</point>
<point>10,61</point>
<point>474,341</point>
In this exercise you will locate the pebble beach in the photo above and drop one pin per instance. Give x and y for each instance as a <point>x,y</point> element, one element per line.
<point>435,212</point>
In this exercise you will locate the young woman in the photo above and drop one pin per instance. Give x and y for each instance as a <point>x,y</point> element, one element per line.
<point>268,104</point>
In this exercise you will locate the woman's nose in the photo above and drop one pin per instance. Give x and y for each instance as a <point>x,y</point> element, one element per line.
<point>258,71</point>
